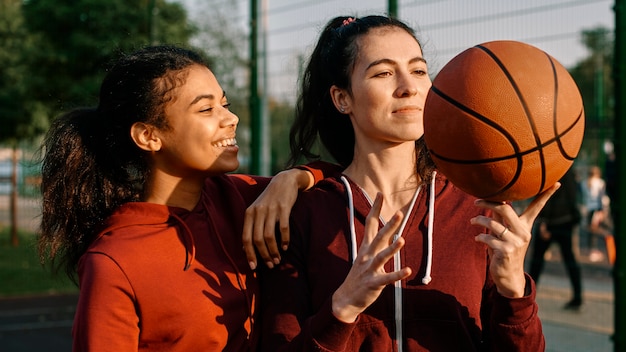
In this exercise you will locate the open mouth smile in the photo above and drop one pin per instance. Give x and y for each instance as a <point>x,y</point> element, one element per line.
<point>229,142</point>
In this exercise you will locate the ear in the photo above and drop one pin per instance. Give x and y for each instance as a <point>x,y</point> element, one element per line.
<point>341,99</point>
<point>145,137</point>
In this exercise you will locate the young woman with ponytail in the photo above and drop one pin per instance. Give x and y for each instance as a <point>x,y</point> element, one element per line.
<point>451,278</point>
<point>138,207</point>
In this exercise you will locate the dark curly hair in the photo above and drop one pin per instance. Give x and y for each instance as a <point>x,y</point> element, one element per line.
<point>90,163</point>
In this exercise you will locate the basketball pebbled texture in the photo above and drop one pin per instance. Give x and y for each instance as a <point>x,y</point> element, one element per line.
<point>503,121</point>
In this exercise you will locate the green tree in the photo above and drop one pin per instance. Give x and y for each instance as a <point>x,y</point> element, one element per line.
<point>593,76</point>
<point>20,116</point>
<point>77,39</point>
<point>282,114</point>
<point>54,54</point>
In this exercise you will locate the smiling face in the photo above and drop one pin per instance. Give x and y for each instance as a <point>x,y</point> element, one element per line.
<point>389,84</point>
<point>200,140</point>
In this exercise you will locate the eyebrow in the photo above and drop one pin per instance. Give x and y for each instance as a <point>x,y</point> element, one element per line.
<point>389,61</point>
<point>205,96</point>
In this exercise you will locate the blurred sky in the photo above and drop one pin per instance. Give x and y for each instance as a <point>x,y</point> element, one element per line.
<point>445,27</point>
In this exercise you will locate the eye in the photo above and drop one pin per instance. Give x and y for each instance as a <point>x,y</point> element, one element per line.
<point>383,74</point>
<point>207,109</point>
<point>226,106</point>
<point>421,70</point>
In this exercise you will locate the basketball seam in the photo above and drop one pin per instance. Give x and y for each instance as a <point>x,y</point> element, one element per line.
<point>527,112</point>
<point>480,117</point>
<point>554,116</point>
<point>518,154</point>
<point>502,158</point>
<point>508,136</point>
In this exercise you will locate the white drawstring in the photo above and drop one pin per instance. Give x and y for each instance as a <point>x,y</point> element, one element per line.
<point>397,258</point>
<point>397,265</point>
<point>353,248</point>
<point>431,219</point>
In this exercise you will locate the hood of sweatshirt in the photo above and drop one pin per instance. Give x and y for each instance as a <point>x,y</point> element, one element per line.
<point>150,214</point>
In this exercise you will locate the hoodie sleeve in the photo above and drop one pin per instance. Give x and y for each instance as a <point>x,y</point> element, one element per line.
<point>289,322</point>
<point>105,318</point>
<point>321,169</point>
<point>512,324</point>
<point>251,186</point>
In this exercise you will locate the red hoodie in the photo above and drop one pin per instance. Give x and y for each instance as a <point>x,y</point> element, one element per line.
<point>161,278</point>
<point>458,310</point>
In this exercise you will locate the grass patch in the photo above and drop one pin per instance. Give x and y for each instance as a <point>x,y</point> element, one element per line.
<point>22,274</point>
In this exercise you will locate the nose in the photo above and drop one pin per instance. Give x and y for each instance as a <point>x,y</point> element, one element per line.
<point>410,85</point>
<point>407,85</point>
<point>230,119</point>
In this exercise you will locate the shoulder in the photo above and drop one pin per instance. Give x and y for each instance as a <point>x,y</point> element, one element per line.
<point>237,188</point>
<point>242,180</point>
<point>451,199</point>
<point>330,187</point>
<point>98,264</point>
<point>327,194</point>
<point>445,188</point>
<point>235,182</point>
<point>133,226</point>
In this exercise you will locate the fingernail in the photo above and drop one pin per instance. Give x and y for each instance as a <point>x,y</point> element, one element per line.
<point>252,265</point>
<point>269,264</point>
<point>276,261</point>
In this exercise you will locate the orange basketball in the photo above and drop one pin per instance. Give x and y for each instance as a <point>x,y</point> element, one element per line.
<point>503,121</point>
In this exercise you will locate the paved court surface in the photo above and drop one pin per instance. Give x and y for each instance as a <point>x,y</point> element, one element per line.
<point>44,323</point>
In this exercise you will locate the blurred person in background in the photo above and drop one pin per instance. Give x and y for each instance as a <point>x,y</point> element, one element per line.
<point>593,195</point>
<point>556,223</point>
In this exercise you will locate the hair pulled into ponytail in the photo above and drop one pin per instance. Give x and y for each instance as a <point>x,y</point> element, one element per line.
<point>78,190</point>
<point>331,63</point>
<point>90,164</point>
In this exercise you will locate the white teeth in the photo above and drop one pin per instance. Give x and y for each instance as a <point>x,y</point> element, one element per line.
<point>226,143</point>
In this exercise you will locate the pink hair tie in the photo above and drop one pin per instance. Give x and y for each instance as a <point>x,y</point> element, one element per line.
<point>347,21</point>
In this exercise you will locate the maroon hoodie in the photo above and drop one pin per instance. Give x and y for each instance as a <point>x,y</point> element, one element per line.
<point>161,278</point>
<point>457,310</point>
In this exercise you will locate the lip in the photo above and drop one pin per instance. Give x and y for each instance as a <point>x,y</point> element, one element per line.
<point>408,108</point>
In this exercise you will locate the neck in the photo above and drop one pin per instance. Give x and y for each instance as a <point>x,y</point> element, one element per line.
<point>172,190</point>
<point>390,171</point>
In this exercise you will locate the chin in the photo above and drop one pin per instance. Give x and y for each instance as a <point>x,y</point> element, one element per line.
<point>418,135</point>
<point>410,137</point>
<point>232,166</point>
<point>223,167</point>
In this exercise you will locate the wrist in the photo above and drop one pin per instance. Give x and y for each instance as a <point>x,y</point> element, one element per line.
<point>314,172</point>
<point>513,288</point>
<point>305,179</point>
<point>301,179</point>
<point>343,312</point>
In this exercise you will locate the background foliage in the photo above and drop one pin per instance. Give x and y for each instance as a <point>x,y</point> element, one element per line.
<point>76,40</point>
<point>55,52</point>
